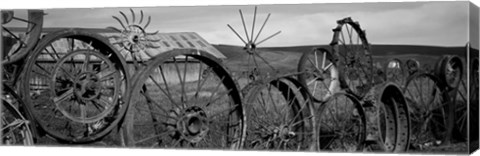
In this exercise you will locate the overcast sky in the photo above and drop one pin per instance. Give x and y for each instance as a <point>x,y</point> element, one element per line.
<point>419,23</point>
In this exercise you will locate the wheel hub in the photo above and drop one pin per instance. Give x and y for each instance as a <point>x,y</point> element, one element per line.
<point>193,124</point>
<point>86,87</point>
<point>250,47</point>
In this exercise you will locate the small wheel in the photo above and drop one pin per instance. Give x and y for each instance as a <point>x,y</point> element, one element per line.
<point>15,128</point>
<point>279,117</point>
<point>427,109</point>
<point>394,71</point>
<point>341,123</point>
<point>74,85</point>
<point>351,48</point>
<point>174,105</point>
<point>412,66</point>
<point>451,71</point>
<point>319,74</point>
<point>17,45</point>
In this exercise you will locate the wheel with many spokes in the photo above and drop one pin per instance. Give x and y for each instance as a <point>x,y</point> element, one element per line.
<point>175,104</point>
<point>428,110</point>
<point>15,127</point>
<point>17,45</point>
<point>279,116</point>
<point>351,48</point>
<point>75,84</point>
<point>341,123</point>
<point>257,65</point>
<point>319,74</point>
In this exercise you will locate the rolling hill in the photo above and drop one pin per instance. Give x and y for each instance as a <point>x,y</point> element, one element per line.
<point>286,58</point>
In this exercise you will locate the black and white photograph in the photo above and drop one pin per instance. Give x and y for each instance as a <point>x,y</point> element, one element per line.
<point>357,77</point>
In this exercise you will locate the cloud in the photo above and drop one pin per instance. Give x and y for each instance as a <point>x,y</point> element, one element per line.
<point>422,23</point>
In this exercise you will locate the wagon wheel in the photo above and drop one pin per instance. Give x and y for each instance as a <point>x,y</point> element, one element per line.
<point>351,48</point>
<point>319,74</point>
<point>133,39</point>
<point>17,45</point>
<point>393,119</point>
<point>461,100</point>
<point>460,114</point>
<point>412,66</point>
<point>451,71</point>
<point>279,116</point>
<point>258,67</point>
<point>74,85</point>
<point>428,112</point>
<point>174,105</point>
<point>15,127</point>
<point>394,71</point>
<point>341,123</point>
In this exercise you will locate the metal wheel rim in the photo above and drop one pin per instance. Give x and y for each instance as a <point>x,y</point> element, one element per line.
<point>425,101</point>
<point>172,134</point>
<point>328,137</point>
<point>324,71</point>
<point>282,123</point>
<point>357,66</point>
<point>71,131</point>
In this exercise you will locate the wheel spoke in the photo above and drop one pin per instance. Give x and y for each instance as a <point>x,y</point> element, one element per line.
<point>64,96</point>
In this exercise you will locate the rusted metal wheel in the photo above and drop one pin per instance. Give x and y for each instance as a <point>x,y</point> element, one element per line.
<point>319,74</point>
<point>173,104</point>
<point>341,123</point>
<point>75,84</point>
<point>450,71</point>
<point>17,45</point>
<point>461,99</point>
<point>412,66</point>
<point>279,116</point>
<point>393,120</point>
<point>15,127</point>
<point>352,50</point>
<point>395,72</point>
<point>428,110</point>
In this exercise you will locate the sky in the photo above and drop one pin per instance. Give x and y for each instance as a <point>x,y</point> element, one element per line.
<point>412,23</point>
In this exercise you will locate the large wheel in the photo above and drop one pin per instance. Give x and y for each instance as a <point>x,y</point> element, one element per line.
<point>428,113</point>
<point>341,123</point>
<point>461,103</point>
<point>17,45</point>
<point>319,74</point>
<point>352,50</point>
<point>279,116</point>
<point>15,127</point>
<point>393,119</point>
<point>185,99</point>
<point>75,84</point>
